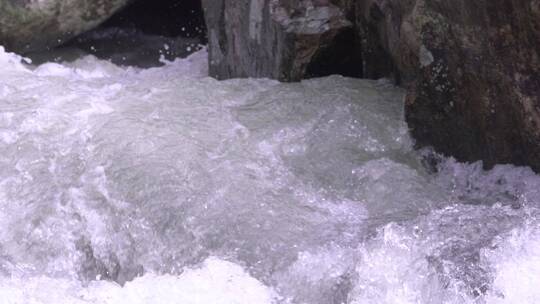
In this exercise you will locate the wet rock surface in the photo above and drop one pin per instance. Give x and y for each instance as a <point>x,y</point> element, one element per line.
<point>476,90</point>
<point>471,68</point>
<point>472,73</point>
<point>35,25</point>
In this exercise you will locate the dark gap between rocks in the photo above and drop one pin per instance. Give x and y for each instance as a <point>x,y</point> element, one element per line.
<point>143,34</point>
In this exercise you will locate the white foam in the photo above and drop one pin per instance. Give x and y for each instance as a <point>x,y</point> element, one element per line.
<point>11,61</point>
<point>515,260</point>
<point>216,281</point>
<point>112,172</point>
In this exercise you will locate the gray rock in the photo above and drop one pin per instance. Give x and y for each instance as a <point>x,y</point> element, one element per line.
<point>280,39</point>
<point>28,25</point>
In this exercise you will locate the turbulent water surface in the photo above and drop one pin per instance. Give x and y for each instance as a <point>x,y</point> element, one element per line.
<point>162,185</point>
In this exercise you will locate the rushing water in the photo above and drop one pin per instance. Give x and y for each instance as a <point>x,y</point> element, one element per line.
<point>162,185</point>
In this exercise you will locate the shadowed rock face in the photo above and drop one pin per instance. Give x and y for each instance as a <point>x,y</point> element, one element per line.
<point>471,67</point>
<point>27,25</point>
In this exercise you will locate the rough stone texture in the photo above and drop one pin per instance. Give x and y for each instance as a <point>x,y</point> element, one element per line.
<point>27,25</point>
<point>281,39</point>
<point>471,67</point>
<point>473,73</point>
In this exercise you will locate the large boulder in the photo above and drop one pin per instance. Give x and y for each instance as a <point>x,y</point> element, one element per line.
<point>28,25</point>
<point>281,39</point>
<point>472,68</point>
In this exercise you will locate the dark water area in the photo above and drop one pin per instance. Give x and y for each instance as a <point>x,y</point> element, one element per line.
<point>144,34</point>
<point>169,18</point>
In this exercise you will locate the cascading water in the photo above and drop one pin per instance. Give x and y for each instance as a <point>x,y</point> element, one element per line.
<point>162,185</point>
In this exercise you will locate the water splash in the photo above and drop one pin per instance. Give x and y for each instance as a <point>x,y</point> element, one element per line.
<point>296,193</point>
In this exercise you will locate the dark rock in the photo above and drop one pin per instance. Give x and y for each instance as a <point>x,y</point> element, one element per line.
<point>32,25</point>
<point>473,73</point>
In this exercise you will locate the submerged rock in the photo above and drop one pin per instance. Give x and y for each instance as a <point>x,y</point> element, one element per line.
<point>27,25</point>
<point>472,68</point>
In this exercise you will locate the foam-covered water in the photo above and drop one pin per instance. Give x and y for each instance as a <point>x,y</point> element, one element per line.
<point>123,185</point>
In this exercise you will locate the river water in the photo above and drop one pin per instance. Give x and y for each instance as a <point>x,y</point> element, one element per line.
<point>162,185</point>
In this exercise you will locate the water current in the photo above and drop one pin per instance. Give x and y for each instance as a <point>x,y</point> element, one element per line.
<point>162,185</point>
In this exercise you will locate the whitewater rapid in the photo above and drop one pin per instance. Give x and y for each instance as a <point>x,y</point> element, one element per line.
<point>162,185</point>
